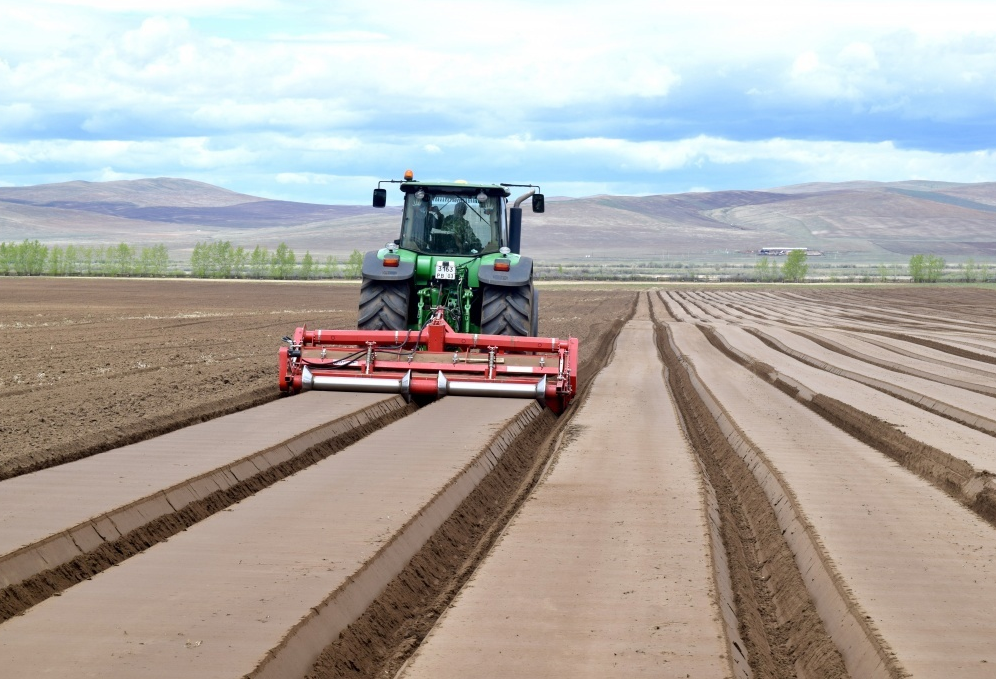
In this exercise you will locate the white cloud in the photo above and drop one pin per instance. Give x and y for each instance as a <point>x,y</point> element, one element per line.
<point>331,36</point>
<point>173,6</point>
<point>294,178</point>
<point>534,160</point>
<point>106,174</point>
<point>858,55</point>
<point>289,92</point>
<point>805,63</point>
<point>16,115</point>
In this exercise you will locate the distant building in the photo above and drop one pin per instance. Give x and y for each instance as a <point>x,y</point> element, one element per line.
<point>779,251</point>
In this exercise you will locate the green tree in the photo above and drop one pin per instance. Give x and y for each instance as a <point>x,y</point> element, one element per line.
<point>71,260</point>
<point>883,273</point>
<point>99,261</point>
<point>29,258</point>
<point>331,267</point>
<point>354,265</point>
<point>56,264</point>
<point>240,259</point>
<point>307,265</point>
<point>220,258</point>
<point>154,261</point>
<point>795,268</point>
<point>971,270</point>
<point>283,262</point>
<point>121,260</point>
<point>918,268</point>
<point>935,267</point>
<point>762,269</point>
<point>86,260</point>
<point>6,259</point>
<point>259,263</point>
<point>200,261</point>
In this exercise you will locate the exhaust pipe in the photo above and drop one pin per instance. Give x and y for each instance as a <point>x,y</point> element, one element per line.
<point>515,222</point>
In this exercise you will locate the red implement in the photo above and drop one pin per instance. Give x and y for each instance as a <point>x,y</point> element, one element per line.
<point>433,362</point>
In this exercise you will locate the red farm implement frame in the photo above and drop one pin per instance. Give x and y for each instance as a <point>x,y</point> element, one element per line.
<point>433,362</point>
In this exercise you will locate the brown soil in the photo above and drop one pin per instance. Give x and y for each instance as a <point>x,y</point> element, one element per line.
<point>378,644</point>
<point>94,364</point>
<point>976,420</point>
<point>947,472</point>
<point>783,634</point>
<point>18,598</point>
<point>940,346</point>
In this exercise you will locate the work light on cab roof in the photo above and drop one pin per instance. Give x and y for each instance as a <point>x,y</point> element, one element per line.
<point>447,308</point>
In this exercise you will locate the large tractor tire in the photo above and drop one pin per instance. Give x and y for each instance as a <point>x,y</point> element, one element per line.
<point>507,310</point>
<point>383,305</point>
<point>534,315</point>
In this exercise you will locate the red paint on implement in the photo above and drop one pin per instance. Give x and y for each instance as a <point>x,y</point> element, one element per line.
<point>430,362</point>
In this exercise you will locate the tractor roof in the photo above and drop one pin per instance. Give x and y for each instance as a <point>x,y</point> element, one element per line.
<point>455,187</point>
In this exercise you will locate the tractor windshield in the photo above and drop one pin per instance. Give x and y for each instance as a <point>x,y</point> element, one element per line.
<point>450,224</point>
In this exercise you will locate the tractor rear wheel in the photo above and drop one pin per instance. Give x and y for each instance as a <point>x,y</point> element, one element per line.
<point>383,305</point>
<point>534,315</point>
<point>507,310</point>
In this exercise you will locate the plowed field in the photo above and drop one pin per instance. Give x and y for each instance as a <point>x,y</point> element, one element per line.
<point>91,365</point>
<point>781,482</point>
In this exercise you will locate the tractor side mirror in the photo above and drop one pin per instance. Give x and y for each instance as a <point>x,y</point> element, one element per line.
<point>538,203</point>
<point>380,198</point>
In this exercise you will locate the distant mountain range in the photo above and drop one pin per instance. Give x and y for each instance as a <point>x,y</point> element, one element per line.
<point>861,220</point>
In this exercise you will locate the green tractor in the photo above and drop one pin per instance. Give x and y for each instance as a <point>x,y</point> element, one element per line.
<point>459,251</point>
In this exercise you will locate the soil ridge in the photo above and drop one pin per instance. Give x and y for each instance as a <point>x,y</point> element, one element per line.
<point>19,597</point>
<point>388,633</point>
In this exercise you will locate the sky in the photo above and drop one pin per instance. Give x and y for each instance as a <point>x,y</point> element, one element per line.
<point>317,101</point>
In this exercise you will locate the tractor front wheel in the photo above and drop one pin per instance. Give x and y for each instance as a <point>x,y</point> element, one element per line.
<point>507,310</point>
<point>383,305</point>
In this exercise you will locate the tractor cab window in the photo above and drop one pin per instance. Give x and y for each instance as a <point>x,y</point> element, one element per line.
<point>449,224</point>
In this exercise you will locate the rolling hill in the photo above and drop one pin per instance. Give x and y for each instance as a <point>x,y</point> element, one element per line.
<point>861,220</point>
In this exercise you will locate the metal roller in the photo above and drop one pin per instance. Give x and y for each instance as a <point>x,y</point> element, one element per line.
<point>535,390</point>
<point>369,385</point>
<point>436,362</point>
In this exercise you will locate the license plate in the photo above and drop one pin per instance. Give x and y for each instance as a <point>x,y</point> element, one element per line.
<point>445,271</point>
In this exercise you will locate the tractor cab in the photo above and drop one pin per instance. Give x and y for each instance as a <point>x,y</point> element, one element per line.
<point>453,219</point>
<point>458,251</point>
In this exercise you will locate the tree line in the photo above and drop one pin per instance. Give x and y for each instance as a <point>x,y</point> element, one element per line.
<point>222,259</point>
<point>794,270</point>
<point>922,268</point>
<point>218,259</point>
<point>31,258</point>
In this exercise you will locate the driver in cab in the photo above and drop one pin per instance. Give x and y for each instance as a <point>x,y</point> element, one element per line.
<point>457,224</point>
